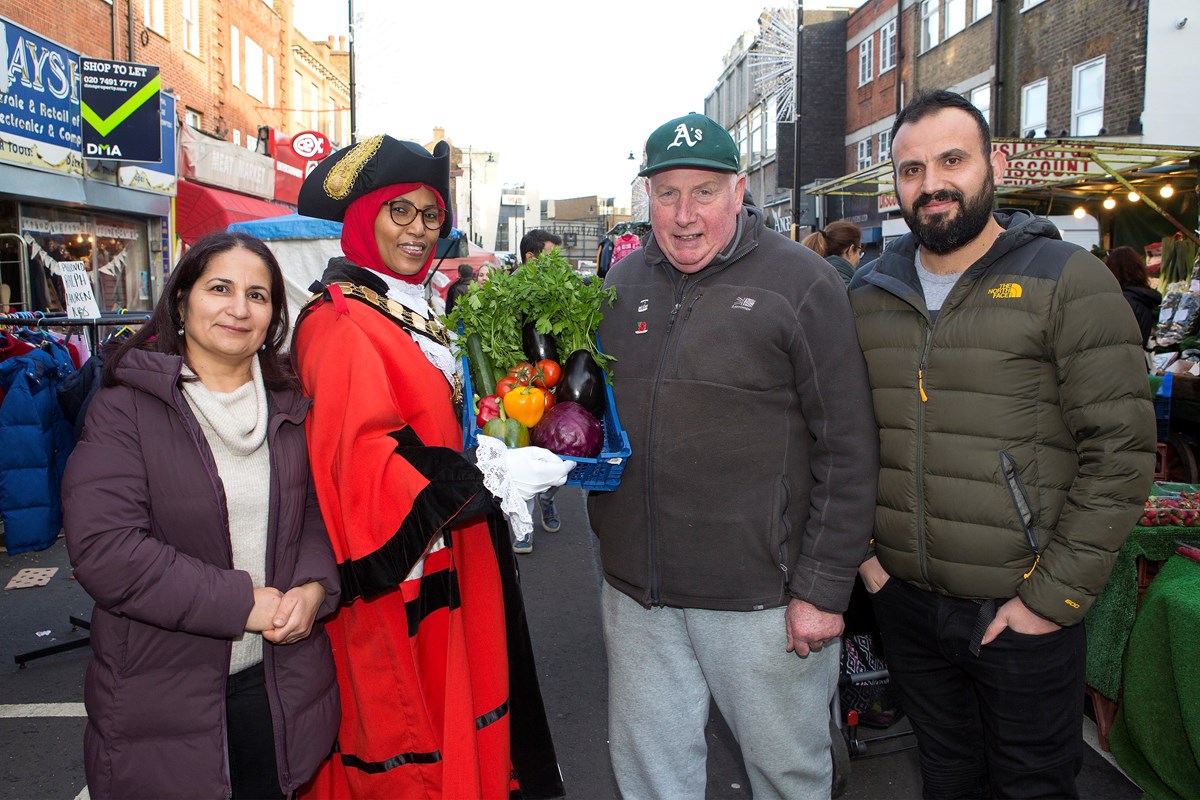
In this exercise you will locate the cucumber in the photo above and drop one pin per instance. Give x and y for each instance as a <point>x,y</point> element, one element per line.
<point>482,375</point>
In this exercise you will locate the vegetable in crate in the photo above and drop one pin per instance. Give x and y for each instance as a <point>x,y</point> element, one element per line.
<point>582,382</point>
<point>507,430</point>
<point>525,404</point>
<point>570,430</point>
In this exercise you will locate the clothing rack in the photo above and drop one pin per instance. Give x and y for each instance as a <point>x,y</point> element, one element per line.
<point>59,319</point>
<point>91,326</point>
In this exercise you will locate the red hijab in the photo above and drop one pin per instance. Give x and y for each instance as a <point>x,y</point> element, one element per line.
<point>358,230</point>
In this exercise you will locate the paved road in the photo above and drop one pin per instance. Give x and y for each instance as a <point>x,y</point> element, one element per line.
<point>42,753</point>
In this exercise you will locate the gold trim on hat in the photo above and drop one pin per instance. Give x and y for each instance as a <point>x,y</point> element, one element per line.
<point>340,180</point>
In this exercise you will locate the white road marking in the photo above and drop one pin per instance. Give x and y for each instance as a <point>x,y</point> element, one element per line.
<point>15,711</point>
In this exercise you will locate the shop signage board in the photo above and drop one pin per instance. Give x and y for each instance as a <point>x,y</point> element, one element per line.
<point>225,164</point>
<point>156,177</point>
<point>295,157</point>
<point>119,103</point>
<point>77,281</point>
<point>39,103</point>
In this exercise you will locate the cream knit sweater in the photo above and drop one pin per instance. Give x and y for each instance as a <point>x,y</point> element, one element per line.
<point>235,425</point>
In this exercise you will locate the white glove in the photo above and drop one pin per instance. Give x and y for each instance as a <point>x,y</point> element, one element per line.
<point>514,475</point>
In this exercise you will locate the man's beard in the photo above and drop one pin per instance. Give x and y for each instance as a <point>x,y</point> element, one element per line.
<point>947,232</point>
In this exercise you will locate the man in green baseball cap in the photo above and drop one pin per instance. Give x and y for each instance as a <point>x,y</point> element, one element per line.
<point>731,544</point>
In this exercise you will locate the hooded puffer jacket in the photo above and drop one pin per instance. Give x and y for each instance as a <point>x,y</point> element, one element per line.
<point>1016,432</point>
<point>147,531</point>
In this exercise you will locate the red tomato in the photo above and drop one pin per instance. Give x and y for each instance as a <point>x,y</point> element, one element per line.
<point>524,372</point>
<point>506,385</point>
<point>548,374</point>
<point>549,398</point>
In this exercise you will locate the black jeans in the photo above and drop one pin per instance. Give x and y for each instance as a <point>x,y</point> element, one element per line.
<point>252,768</point>
<point>1007,723</point>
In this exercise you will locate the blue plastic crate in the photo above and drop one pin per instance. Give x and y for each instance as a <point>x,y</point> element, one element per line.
<point>599,474</point>
<point>1162,405</point>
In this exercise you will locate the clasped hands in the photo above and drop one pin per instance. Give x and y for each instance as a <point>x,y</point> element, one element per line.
<point>285,617</point>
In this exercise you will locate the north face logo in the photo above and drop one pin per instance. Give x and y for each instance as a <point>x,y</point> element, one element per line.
<point>743,303</point>
<point>684,136</point>
<point>1005,291</point>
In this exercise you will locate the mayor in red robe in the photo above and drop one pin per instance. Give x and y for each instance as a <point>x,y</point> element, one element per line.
<point>439,695</point>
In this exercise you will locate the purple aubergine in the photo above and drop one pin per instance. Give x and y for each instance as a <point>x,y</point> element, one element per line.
<point>582,382</point>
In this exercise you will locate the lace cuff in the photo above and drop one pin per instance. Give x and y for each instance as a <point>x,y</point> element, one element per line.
<point>492,462</point>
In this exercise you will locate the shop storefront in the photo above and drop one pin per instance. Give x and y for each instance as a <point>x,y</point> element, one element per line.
<point>56,206</point>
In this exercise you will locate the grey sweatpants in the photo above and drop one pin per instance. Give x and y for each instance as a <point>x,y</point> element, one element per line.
<point>663,666</point>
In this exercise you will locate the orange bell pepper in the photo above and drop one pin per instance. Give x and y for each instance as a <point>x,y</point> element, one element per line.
<point>525,404</point>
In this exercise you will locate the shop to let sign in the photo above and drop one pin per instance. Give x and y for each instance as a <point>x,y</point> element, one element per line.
<point>119,103</point>
<point>81,300</point>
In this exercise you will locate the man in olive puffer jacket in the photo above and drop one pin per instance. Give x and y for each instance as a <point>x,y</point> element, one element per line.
<point>1016,451</point>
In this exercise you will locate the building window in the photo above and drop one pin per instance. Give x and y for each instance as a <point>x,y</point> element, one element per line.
<point>271,82</point>
<point>314,107</point>
<point>1028,4</point>
<point>887,47</point>
<point>235,54</point>
<point>254,69</point>
<point>297,100</point>
<point>864,153</point>
<point>1033,109</point>
<point>743,140</point>
<point>770,126</point>
<point>191,26</point>
<point>931,30</point>
<point>193,118</point>
<point>980,9</point>
<point>981,98</point>
<point>756,140</point>
<point>152,15</point>
<point>866,60</point>
<point>237,136</point>
<point>956,16</point>
<point>885,146</point>
<point>1087,98</point>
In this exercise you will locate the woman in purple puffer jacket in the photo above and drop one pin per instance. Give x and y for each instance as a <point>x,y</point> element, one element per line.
<point>191,521</point>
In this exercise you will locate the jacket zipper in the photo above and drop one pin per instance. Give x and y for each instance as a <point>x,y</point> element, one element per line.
<point>655,581</point>
<point>920,466</point>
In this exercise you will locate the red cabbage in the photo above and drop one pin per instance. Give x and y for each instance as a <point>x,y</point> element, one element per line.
<point>568,429</point>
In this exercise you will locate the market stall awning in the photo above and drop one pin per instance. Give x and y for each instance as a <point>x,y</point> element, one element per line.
<point>1070,168</point>
<point>201,210</point>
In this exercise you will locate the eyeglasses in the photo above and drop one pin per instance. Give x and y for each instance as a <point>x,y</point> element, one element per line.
<point>404,213</point>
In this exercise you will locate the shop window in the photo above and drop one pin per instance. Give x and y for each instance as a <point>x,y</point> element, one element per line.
<point>931,24</point>
<point>1087,98</point>
<point>1033,109</point>
<point>956,16</point>
<point>254,69</point>
<point>866,60</point>
<point>191,26</point>
<point>152,16</point>
<point>887,47</point>
<point>864,153</point>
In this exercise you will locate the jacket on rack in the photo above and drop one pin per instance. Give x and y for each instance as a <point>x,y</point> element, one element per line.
<point>35,441</point>
<point>148,534</point>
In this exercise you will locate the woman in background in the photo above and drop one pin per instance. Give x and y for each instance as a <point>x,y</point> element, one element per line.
<point>840,244</point>
<point>1130,271</point>
<point>191,521</point>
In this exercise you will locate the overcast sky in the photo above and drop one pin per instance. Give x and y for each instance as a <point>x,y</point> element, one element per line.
<point>561,91</point>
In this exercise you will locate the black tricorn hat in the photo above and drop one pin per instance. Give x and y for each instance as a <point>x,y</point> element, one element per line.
<point>371,164</point>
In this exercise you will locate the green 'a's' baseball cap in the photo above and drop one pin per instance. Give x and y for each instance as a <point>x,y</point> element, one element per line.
<point>691,141</point>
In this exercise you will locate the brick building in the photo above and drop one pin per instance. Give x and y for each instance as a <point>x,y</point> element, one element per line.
<point>228,72</point>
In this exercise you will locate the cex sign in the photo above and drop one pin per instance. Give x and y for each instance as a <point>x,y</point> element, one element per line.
<point>295,157</point>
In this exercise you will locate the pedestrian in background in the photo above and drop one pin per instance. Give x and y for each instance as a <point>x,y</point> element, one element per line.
<point>1130,271</point>
<point>466,277</point>
<point>439,689</point>
<point>840,243</point>
<point>1018,438</point>
<point>191,521</point>
<point>729,549</point>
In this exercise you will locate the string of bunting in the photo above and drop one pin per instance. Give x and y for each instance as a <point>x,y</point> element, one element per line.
<point>48,261</point>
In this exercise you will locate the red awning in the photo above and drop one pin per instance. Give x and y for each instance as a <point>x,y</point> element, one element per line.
<point>200,210</point>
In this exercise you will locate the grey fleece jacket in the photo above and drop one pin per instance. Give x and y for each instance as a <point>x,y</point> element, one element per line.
<point>755,451</point>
